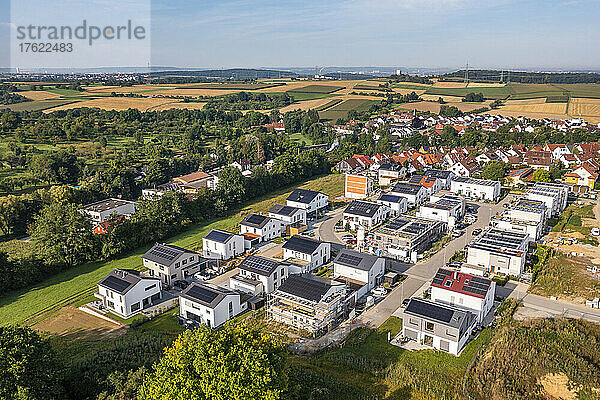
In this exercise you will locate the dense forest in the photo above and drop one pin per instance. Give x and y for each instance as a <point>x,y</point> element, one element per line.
<point>525,77</point>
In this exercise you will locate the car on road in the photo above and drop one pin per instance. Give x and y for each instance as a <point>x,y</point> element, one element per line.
<point>477,231</point>
<point>595,231</point>
<point>380,291</point>
<point>454,264</point>
<point>457,233</point>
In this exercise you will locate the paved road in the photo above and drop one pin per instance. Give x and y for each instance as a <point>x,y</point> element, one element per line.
<point>423,271</point>
<point>326,228</point>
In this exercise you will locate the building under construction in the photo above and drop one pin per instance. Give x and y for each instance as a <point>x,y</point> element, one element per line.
<point>310,303</point>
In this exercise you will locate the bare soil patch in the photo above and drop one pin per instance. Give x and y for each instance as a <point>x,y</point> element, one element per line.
<point>71,322</point>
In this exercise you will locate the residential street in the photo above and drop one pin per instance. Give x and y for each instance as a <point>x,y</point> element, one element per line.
<point>326,229</point>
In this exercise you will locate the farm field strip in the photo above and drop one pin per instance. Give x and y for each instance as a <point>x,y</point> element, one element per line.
<point>317,89</point>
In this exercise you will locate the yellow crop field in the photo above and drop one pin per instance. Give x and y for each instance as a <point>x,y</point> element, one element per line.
<point>579,107</point>
<point>447,99</point>
<point>191,92</point>
<point>544,108</point>
<point>115,103</point>
<point>125,89</point>
<point>539,100</point>
<point>484,84</point>
<point>179,105</point>
<point>39,95</point>
<point>439,84</point>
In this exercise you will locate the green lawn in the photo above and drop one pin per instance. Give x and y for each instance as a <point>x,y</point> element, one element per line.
<point>74,284</point>
<point>298,137</point>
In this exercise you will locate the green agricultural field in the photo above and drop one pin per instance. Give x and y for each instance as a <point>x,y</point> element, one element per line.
<point>411,86</point>
<point>557,99</point>
<point>39,105</point>
<point>588,90</point>
<point>317,89</point>
<point>329,104</point>
<point>302,96</point>
<point>493,93</point>
<point>73,285</point>
<point>341,110</point>
<point>524,91</point>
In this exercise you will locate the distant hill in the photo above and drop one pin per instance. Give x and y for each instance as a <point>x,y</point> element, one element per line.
<point>232,73</point>
<point>484,75</point>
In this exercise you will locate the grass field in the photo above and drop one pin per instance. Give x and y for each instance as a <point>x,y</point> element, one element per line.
<point>341,110</point>
<point>317,89</point>
<point>302,96</point>
<point>80,282</point>
<point>494,93</point>
<point>41,105</point>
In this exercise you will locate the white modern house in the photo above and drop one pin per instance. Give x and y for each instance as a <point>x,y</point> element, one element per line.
<point>554,195</point>
<point>447,209</point>
<point>366,214</point>
<point>125,293</point>
<point>102,210</point>
<point>444,176</point>
<point>439,326</point>
<point>288,215</point>
<point>222,245</point>
<point>415,194</point>
<point>480,189</point>
<point>260,227</point>
<point>309,200</point>
<point>210,305</point>
<point>259,275</point>
<point>501,252</point>
<point>525,216</point>
<point>397,204</point>
<point>364,271</point>
<point>468,292</point>
<point>171,263</point>
<point>390,173</point>
<point>306,253</point>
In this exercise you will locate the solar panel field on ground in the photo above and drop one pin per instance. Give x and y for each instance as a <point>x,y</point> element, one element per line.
<point>341,110</point>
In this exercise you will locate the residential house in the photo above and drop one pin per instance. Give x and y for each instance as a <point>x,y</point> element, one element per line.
<point>311,201</point>
<point>103,210</point>
<point>397,204</point>
<point>365,213</point>
<point>306,253</point>
<point>480,189</point>
<point>357,186</point>
<point>538,159</point>
<point>431,184</point>
<point>414,194</point>
<point>349,165</point>
<point>260,228</point>
<point>584,175</point>
<point>259,275</point>
<point>363,271</point>
<point>171,263</point>
<point>210,305</point>
<point>288,215</point>
<point>554,195</point>
<point>465,291</point>
<point>465,166</point>
<point>448,209</point>
<point>222,245</point>
<point>437,325</point>
<point>125,293</point>
<point>519,177</point>
<point>558,150</point>
<point>390,173</point>
<point>499,251</point>
<point>445,177</point>
<point>193,182</point>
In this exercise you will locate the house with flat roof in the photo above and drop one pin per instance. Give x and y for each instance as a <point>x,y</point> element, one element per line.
<point>309,200</point>
<point>465,291</point>
<point>524,216</point>
<point>171,263</point>
<point>222,245</point>
<point>448,209</point>
<point>306,253</point>
<point>437,325</point>
<point>288,215</point>
<point>365,213</point>
<point>554,195</point>
<point>501,252</point>
<point>479,189</point>
<point>259,275</point>
<point>397,204</point>
<point>444,176</point>
<point>260,228</point>
<point>191,183</point>
<point>210,305</point>
<point>361,269</point>
<point>308,302</point>
<point>102,210</point>
<point>126,293</point>
<point>415,194</point>
<point>404,237</point>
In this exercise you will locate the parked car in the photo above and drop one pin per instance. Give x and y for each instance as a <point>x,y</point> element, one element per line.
<point>380,291</point>
<point>457,233</point>
<point>202,276</point>
<point>477,231</point>
<point>405,302</point>
<point>595,231</point>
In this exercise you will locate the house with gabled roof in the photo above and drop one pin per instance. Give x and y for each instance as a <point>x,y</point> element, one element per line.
<point>126,293</point>
<point>171,263</point>
<point>365,213</point>
<point>210,305</point>
<point>259,228</point>
<point>288,215</point>
<point>309,200</point>
<point>306,253</point>
<point>259,275</point>
<point>414,194</point>
<point>222,245</point>
<point>361,270</point>
<point>584,175</point>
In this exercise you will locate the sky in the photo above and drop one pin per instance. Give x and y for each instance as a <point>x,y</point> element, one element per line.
<point>511,34</point>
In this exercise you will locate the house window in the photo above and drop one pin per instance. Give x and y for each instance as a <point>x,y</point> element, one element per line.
<point>413,322</point>
<point>173,276</point>
<point>429,326</point>
<point>150,287</point>
<point>191,258</point>
<point>110,304</point>
<point>176,265</point>
<point>184,262</point>
<point>448,333</point>
<point>135,307</point>
<point>282,272</point>
<point>230,309</point>
<point>275,275</point>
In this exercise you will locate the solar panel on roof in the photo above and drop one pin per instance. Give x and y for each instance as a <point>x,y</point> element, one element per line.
<point>115,283</point>
<point>218,236</point>
<point>202,293</point>
<point>349,259</point>
<point>302,244</point>
<point>259,264</point>
<point>430,310</point>
<point>255,219</point>
<point>310,288</point>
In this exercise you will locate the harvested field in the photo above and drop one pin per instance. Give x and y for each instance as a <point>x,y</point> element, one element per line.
<point>579,107</point>
<point>127,89</point>
<point>116,103</point>
<point>306,105</point>
<point>39,105</point>
<point>229,86</point>
<point>71,322</point>
<point>534,115</point>
<point>434,107</point>
<point>39,95</point>
<point>191,92</point>
<point>539,100</point>
<point>440,84</point>
<point>180,105</point>
<point>544,108</point>
<point>485,84</point>
<point>408,91</point>
<point>447,99</point>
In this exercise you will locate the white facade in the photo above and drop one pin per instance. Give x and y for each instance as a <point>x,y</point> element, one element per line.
<point>380,215</point>
<point>298,216</point>
<point>233,247</point>
<point>415,198</point>
<point>501,252</point>
<point>371,273</point>
<point>320,201</point>
<point>312,261</point>
<point>270,230</point>
<point>397,204</point>
<point>477,305</point>
<point>145,292</point>
<point>476,188</point>
<point>212,316</point>
<point>101,211</point>
<point>535,230</point>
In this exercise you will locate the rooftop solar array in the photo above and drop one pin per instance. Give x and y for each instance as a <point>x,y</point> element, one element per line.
<point>202,293</point>
<point>530,205</point>
<point>362,208</point>
<point>430,310</point>
<point>406,188</point>
<point>308,287</point>
<point>390,198</point>
<point>260,265</point>
<point>218,236</point>
<point>164,253</point>
<point>473,181</point>
<point>478,286</point>
<point>348,259</point>
<point>283,210</point>
<point>506,242</point>
<point>302,196</point>
<point>437,173</point>
<point>255,219</point>
<point>397,223</point>
<point>107,204</point>
<point>302,244</point>
<point>117,284</point>
<point>438,279</point>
